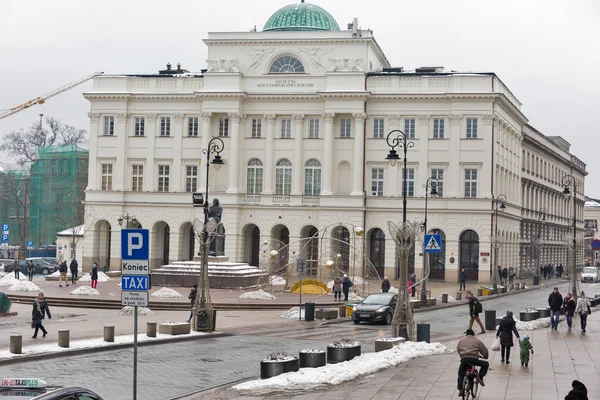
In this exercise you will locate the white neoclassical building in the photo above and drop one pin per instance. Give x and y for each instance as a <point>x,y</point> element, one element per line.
<point>303,109</point>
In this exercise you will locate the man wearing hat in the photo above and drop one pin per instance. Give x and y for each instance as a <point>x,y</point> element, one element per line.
<point>470,349</point>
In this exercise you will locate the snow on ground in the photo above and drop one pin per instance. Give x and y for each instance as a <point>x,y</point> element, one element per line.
<point>393,290</point>
<point>540,323</point>
<point>357,280</point>
<point>276,280</point>
<point>57,273</point>
<point>167,293</point>
<point>292,313</point>
<point>86,291</point>
<point>333,374</point>
<point>102,277</point>
<point>354,297</point>
<point>24,286</point>
<point>450,299</point>
<point>9,279</point>
<point>129,311</point>
<point>257,295</point>
<point>87,344</point>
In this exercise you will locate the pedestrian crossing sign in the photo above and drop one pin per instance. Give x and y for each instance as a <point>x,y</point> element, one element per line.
<point>433,243</point>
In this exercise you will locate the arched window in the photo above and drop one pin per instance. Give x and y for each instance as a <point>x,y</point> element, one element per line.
<point>312,178</point>
<point>254,176</point>
<point>283,177</point>
<point>377,250</point>
<point>287,65</point>
<point>469,254</point>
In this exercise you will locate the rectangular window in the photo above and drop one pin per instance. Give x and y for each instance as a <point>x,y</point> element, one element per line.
<point>165,126</point>
<point>138,126</point>
<point>378,128</point>
<point>471,128</point>
<point>409,128</point>
<point>137,178</point>
<point>107,175</point>
<point>286,128</point>
<point>345,127</point>
<point>163,178</point>
<point>410,182</point>
<point>470,183</point>
<point>256,127</point>
<point>377,182</point>
<point>109,125</point>
<point>438,128</point>
<point>439,175</point>
<point>192,126</point>
<point>223,126</point>
<point>313,128</point>
<point>191,178</point>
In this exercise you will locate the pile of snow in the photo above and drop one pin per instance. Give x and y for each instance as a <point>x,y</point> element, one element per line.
<point>129,311</point>
<point>292,313</point>
<point>450,299</point>
<point>9,279</point>
<point>102,277</point>
<point>277,357</point>
<point>391,339</point>
<point>312,351</point>
<point>24,286</point>
<point>57,273</point>
<point>307,379</point>
<point>540,323</point>
<point>86,291</point>
<point>354,297</point>
<point>167,293</point>
<point>258,295</point>
<point>344,343</point>
<point>393,290</point>
<point>276,280</point>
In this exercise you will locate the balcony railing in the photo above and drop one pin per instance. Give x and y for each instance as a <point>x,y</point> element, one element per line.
<point>251,199</point>
<point>310,200</point>
<point>281,199</point>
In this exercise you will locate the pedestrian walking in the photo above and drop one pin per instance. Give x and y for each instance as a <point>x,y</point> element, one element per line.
<point>94,274</point>
<point>545,271</point>
<point>346,285</point>
<point>40,310</point>
<point>192,297</point>
<point>579,391</point>
<point>74,267</point>
<point>569,305</point>
<point>504,275</point>
<point>583,309</point>
<point>412,279</point>
<point>526,348</point>
<point>511,275</point>
<point>30,270</point>
<point>62,269</point>
<point>409,287</point>
<point>462,279</point>
<point>555,301</point>
<point>337,288</point>
<point>507,327</point>
<point>560,271</point>
<point>475,308</point>
<point>17,270</point>
<point>385,285</point>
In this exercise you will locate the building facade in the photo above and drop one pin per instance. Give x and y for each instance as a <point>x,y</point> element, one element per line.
<point>304,110</point>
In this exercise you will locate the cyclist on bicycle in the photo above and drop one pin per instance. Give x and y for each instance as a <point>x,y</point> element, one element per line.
<point>470,349</point>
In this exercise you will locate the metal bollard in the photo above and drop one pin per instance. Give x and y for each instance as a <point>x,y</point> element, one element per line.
<point>490,320</point>
<point>151,329</point>
<point>444,297</point>
<point>458,295</point>
<point>342,311</point>
<point>423,333</point>
<point>16,344</point>
<point>63,338</point>
<point>109,333</point>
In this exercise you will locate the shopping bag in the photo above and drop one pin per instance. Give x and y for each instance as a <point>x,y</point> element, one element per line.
<point>496,345</point>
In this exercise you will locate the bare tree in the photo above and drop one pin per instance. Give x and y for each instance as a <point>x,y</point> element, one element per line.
<point>72,214</point>
<point>15,185</point>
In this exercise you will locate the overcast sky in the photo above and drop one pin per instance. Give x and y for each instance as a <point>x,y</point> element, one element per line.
<point>546,51</point>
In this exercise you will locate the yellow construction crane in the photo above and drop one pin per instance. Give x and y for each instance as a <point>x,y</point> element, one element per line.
<point>42,99</point>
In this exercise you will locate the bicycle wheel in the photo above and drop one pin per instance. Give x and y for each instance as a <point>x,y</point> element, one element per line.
<point>467,384</point>
<point>475,386</point>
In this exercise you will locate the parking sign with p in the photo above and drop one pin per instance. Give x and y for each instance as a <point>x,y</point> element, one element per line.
<point>135,244</point>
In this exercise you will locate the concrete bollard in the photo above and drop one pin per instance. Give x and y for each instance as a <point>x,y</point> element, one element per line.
<point>458,295</point>
<point>444,297</point>
<point>109,333</point>
<point>16,344</point>
<point>151,329</point>
<point>342,311</point>
<point>63,338</point>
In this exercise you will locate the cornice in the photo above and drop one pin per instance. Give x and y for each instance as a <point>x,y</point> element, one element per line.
<point>221,95</point>
<point>434,96</point>
<point>265,42</point>
<point>283,96</point>
<point>139,96</point>
<point>115,95</point>
<point>345,95</point>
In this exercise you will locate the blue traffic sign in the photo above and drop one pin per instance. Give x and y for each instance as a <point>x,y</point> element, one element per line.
<point>4,238</point>
<point>5,227</point>
<point>595,244</point>
<point>433,243</point>
<point>135,244</point>
<point>135,282</point>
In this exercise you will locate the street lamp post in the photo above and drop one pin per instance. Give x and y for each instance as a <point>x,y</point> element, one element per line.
<point>127,218</point>
<point>433,184</point>
<point>538,246</point>
<point>568,181</point>
<point>203,316</point>
<point>499,204</point>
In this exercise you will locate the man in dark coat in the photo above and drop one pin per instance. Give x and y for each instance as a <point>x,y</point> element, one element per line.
<point>192,297</point>
<point>579,391</point>
<point>505,332</point>
<point>555,301</point>
<point>385,285</point>
<point>462,279</point>
<point>40,310</point>
<point>16,269</point>
<point>474,313</point>
<point>74,267</point>
<point>62,268</point>
<point>346,285</point>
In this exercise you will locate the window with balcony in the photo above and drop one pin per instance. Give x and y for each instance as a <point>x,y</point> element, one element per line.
<point>283,177</point>
<point>312,178</point>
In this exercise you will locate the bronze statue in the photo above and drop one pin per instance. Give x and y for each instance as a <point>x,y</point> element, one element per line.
<point>215,211</point>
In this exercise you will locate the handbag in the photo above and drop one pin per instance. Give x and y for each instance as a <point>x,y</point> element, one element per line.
<point>496,345</point>
<point>33,323</point>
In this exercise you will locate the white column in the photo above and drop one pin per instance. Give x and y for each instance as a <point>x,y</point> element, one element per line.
<point>206,118</point>
<point>328,155</point>
<point>234,153</point>
<point>454,170</point>
<point>177,168</point>
<point>269,165</point>
<point>119,169</point>
<point>298,156</point>
<point>359,149</point>
<point>93,176</point>
<point>150,167</point>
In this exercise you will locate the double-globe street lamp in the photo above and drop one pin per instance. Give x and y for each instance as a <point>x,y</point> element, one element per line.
<point>499,204</point>
<point>433,184</point>
<point>570,181</point>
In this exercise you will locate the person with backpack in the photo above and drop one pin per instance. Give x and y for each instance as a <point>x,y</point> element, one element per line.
<point>346,285</point>
<point>475,308</point>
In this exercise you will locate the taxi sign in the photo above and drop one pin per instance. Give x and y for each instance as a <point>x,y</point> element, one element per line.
<point>23,383</point>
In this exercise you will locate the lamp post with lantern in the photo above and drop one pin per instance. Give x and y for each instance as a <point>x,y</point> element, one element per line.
<point>567,182</point>
<point>431,183</point>
<point>499,204</point>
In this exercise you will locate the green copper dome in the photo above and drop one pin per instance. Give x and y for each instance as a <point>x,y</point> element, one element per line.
<point>301,17</point>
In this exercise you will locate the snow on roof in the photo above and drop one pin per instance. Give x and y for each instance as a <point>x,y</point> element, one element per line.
<point>592,203</point>
<point>77,230</point>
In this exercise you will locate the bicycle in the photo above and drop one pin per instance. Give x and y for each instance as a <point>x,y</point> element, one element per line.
<point>471,382</point>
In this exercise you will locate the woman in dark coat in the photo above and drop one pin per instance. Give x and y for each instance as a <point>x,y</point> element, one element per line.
<point>569,304</point>
<point>94,275</point>
<point>505,334</point>
<point>40,309</point>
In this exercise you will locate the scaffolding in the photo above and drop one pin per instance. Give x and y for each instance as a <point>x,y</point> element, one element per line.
<point>58,181</point>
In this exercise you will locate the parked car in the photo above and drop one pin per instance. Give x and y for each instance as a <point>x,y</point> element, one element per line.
<point>589,274</point>
<point>50,260</point>
<point>377,307</point>
<point>41,267</point>
<point>37,389</point>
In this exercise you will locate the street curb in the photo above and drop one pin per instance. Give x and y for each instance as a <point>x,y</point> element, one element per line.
<point>44,356</point>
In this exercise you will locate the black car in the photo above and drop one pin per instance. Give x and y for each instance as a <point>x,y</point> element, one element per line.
<point>41,267</point>
<point>377,307</point>
<point>37,389</point>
